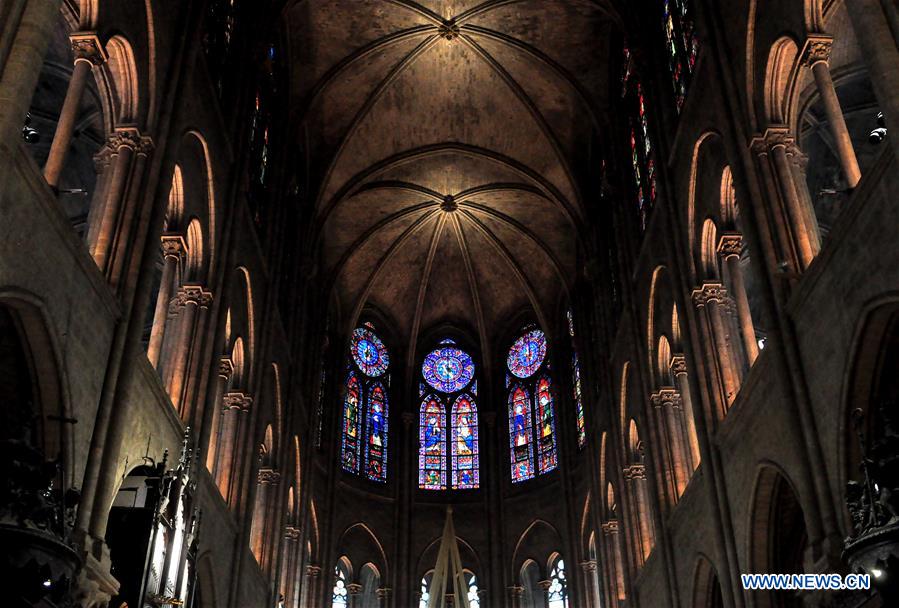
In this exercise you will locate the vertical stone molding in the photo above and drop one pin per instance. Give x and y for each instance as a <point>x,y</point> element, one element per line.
<point>88,52</point>
<point>173,249</point>
<point>816,55</point>
<point>730,247</point>
<point>708,299</point>
<point>222,378</point>
<point>190,300</point>
<point>235,405</point>
<point>383,597</point>
<point>679,371</point>
<point>515,595</point>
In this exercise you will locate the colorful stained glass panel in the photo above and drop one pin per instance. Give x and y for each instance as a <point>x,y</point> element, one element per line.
<point>448,369</point>
<point>521,444</point>
<point>527,354</point>
<point>432,450</point>
<point>350,443</point>
<point>369,352</point>
<point>464,444</point>
<point>376,442</point>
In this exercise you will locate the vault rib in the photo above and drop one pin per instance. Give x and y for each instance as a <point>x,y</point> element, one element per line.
<point>475,293</point>
<point>423,289</point>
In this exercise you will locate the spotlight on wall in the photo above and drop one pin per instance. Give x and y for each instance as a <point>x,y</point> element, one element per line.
<point>880,133</point>
<point>29,134</point>
<point>876,572</point>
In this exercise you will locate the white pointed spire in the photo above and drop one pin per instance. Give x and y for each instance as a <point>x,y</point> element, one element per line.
<point>449,577</point>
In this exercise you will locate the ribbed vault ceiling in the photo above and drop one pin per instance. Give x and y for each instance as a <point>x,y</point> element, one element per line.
<point>447,142</point>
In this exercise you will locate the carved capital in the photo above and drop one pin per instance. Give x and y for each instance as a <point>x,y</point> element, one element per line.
<point>545,584</point>
<point>610,527</point>
<point>226,368</point>
<point>313,571</point>
<point>269,477</point>
<point>124,137</point>
<point>708,292</point>
<point>730,245</point>
<point>86,46</point>
<point>817,49</point>
<point>773,137</point>
<point>237,401</point>
<point>354,588</point>
<point>678,365</point>
<point>449,29</point>
<point>515,591</point>
<point>173,245</point>
<point>635,471</point>
<point>383,593</point>
<point>192,294</point>
<point>666,397</point>
<point>291,533</point>
<point>588,565</point>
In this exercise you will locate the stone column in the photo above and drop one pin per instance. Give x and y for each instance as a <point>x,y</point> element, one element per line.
<point>672,410</point>
<point>589,569</point>
<point>189,300</point>
<point>515,593</point>
<point>122,144</point>
<point>635,479</point>
<point>617,590</point>
<point>173,248</point>
<point>127,239</point>
<point>289,565</point>
<point>354,590</point>
<point>679,370</point>
<point>88,52</point>
<point>383,597</point>
<point>235,406</point>
<point>816,56</point>
<point>225,371</point>
<point>780,143</point>
<point>667,445</point>
<point>708,299</point>
<point>310,586</point>
<point>266,484</point>
<point>544,587</point>
<point>729,248</point>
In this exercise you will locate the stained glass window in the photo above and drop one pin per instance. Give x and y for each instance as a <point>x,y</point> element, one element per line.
<point>557,594</point>
<point>369,352</point>
<point>351,425</point>
<point>527,354</point>
<point>449,371</point>
<point>521,434</point>
<point>474,600</point>
<point>366,401</point>
<point>532,424</point>
<point>376,443</point>
<point>546,430</point>
<point>641,148</point>
<point>465,443</point>
<point>425,594</point>
<point>432,437</point>
<point>576,385</point>
<point>682,45</point>
<point>339,597</point>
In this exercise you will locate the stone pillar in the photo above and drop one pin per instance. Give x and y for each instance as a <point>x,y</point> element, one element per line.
<point>544,587</point>
<point>88,52</point>
<point>354,590</point>
<point>225,371</point>
<point>127,239</point>
<point>780,143</point>
<point>289,565</point>
<point>708,299</point>
<point>617,589</point>
<point>189,300</point>
<point>729,248</point>
<point>235,406</point>
<point>679,370</point>
<point>589,569</point>
<point>173,248</point>
<point>310,586</point>
<point>122,144</point>
<point>267,482</point>
<point>667,402</point>
<point>817,56</point>
<point>635,479</point>
<point>515,594</point>
<point>383,597</point>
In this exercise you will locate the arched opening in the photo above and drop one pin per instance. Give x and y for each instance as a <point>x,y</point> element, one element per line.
<point>706,588</point>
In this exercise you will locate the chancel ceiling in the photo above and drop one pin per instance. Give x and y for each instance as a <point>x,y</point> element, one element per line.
<point>448,144</point>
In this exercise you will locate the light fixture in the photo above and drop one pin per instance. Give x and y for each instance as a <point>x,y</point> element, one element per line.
<point>876,572</point>
<point>47,583</point>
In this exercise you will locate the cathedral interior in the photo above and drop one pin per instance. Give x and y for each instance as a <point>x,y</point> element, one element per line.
<point>598,298</point>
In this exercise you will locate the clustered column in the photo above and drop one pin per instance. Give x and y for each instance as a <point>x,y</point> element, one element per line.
<point>589,569</point>
<point>666,403</point>
<point>679,371</point>
<point>236,406</point>
<point>309,589</point>
<point>515,594</point>
<point>635,479</point>
<point>173,248</point>
<point>730,247</point>
<point>88,52</point>
<point>708,300</point>
<point>191,300</point>
<point>225,371</point>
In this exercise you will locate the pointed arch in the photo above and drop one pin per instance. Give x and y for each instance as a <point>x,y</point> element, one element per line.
<point>121,71</point>
<point>352,424</point>
<point>432,461</point>
<point>546,419</point>
<point>521,442</point>
<point>376,423</point>
<point>464,427</point>
<point>781,80</point>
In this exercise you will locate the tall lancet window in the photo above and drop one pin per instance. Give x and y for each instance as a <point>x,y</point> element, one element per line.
<point>365,406</point>
<point>643,162</point>
<point>448,453</point>
<point>681,45</point>
<point>532,418</point>
<point>576,387</point>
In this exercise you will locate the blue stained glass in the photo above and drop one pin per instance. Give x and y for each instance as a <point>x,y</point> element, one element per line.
<point>527,354</point>
<point>546,427</point>
<point>448,369</point>
<point>351,426</point>
<point>376,445</point>
<point>432,444</point>
<point>521,435</point>
<point>369,352</point>
<point>465,444</point>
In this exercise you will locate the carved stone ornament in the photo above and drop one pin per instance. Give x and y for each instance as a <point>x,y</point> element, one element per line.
<point>313,571</point>
<point>773,137</point>
<point>86,46</point>
<point>610,527</point>
<point>515,591</point>
<point>237,401</point>
<point>545,584</point>
<point>383,593</point>
<point>172,245</point>
<point>678,365</point>
<point>269,477</point>
<point>449,30</point>
<point>191,294</point>
<point>817,49</point>
<point>730,245</point>
<point>709,292</point>
<point>635,471</point>
<point>354,588</point>
<point>588,565</point>
<point>291,533</point>
<point>226,368</point>
<point>666,397</point>
<point>125,137</point>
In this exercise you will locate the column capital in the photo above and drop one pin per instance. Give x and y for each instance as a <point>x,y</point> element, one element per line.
<point>635,471</point>
<point>173,245</point>
<point>191,294</point>
<point>610,527</point>
<point>774,136</point>
<point>678,364</point>
<point>730,245</point>
<point>588,565</point>
<point>817,49</point>
<point>313,571</point>
<point>708,292</point>
<point>515,591</point>
<point>129,137</point>
<point>291,533</point>
<point>545,584</point>
<point>86,46</point>
<point>383,593</point>
<point>268,476</point>
<point>226,368</point>
<point>237,401</point>
<point>665,396</point>
<point>354,588</point>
